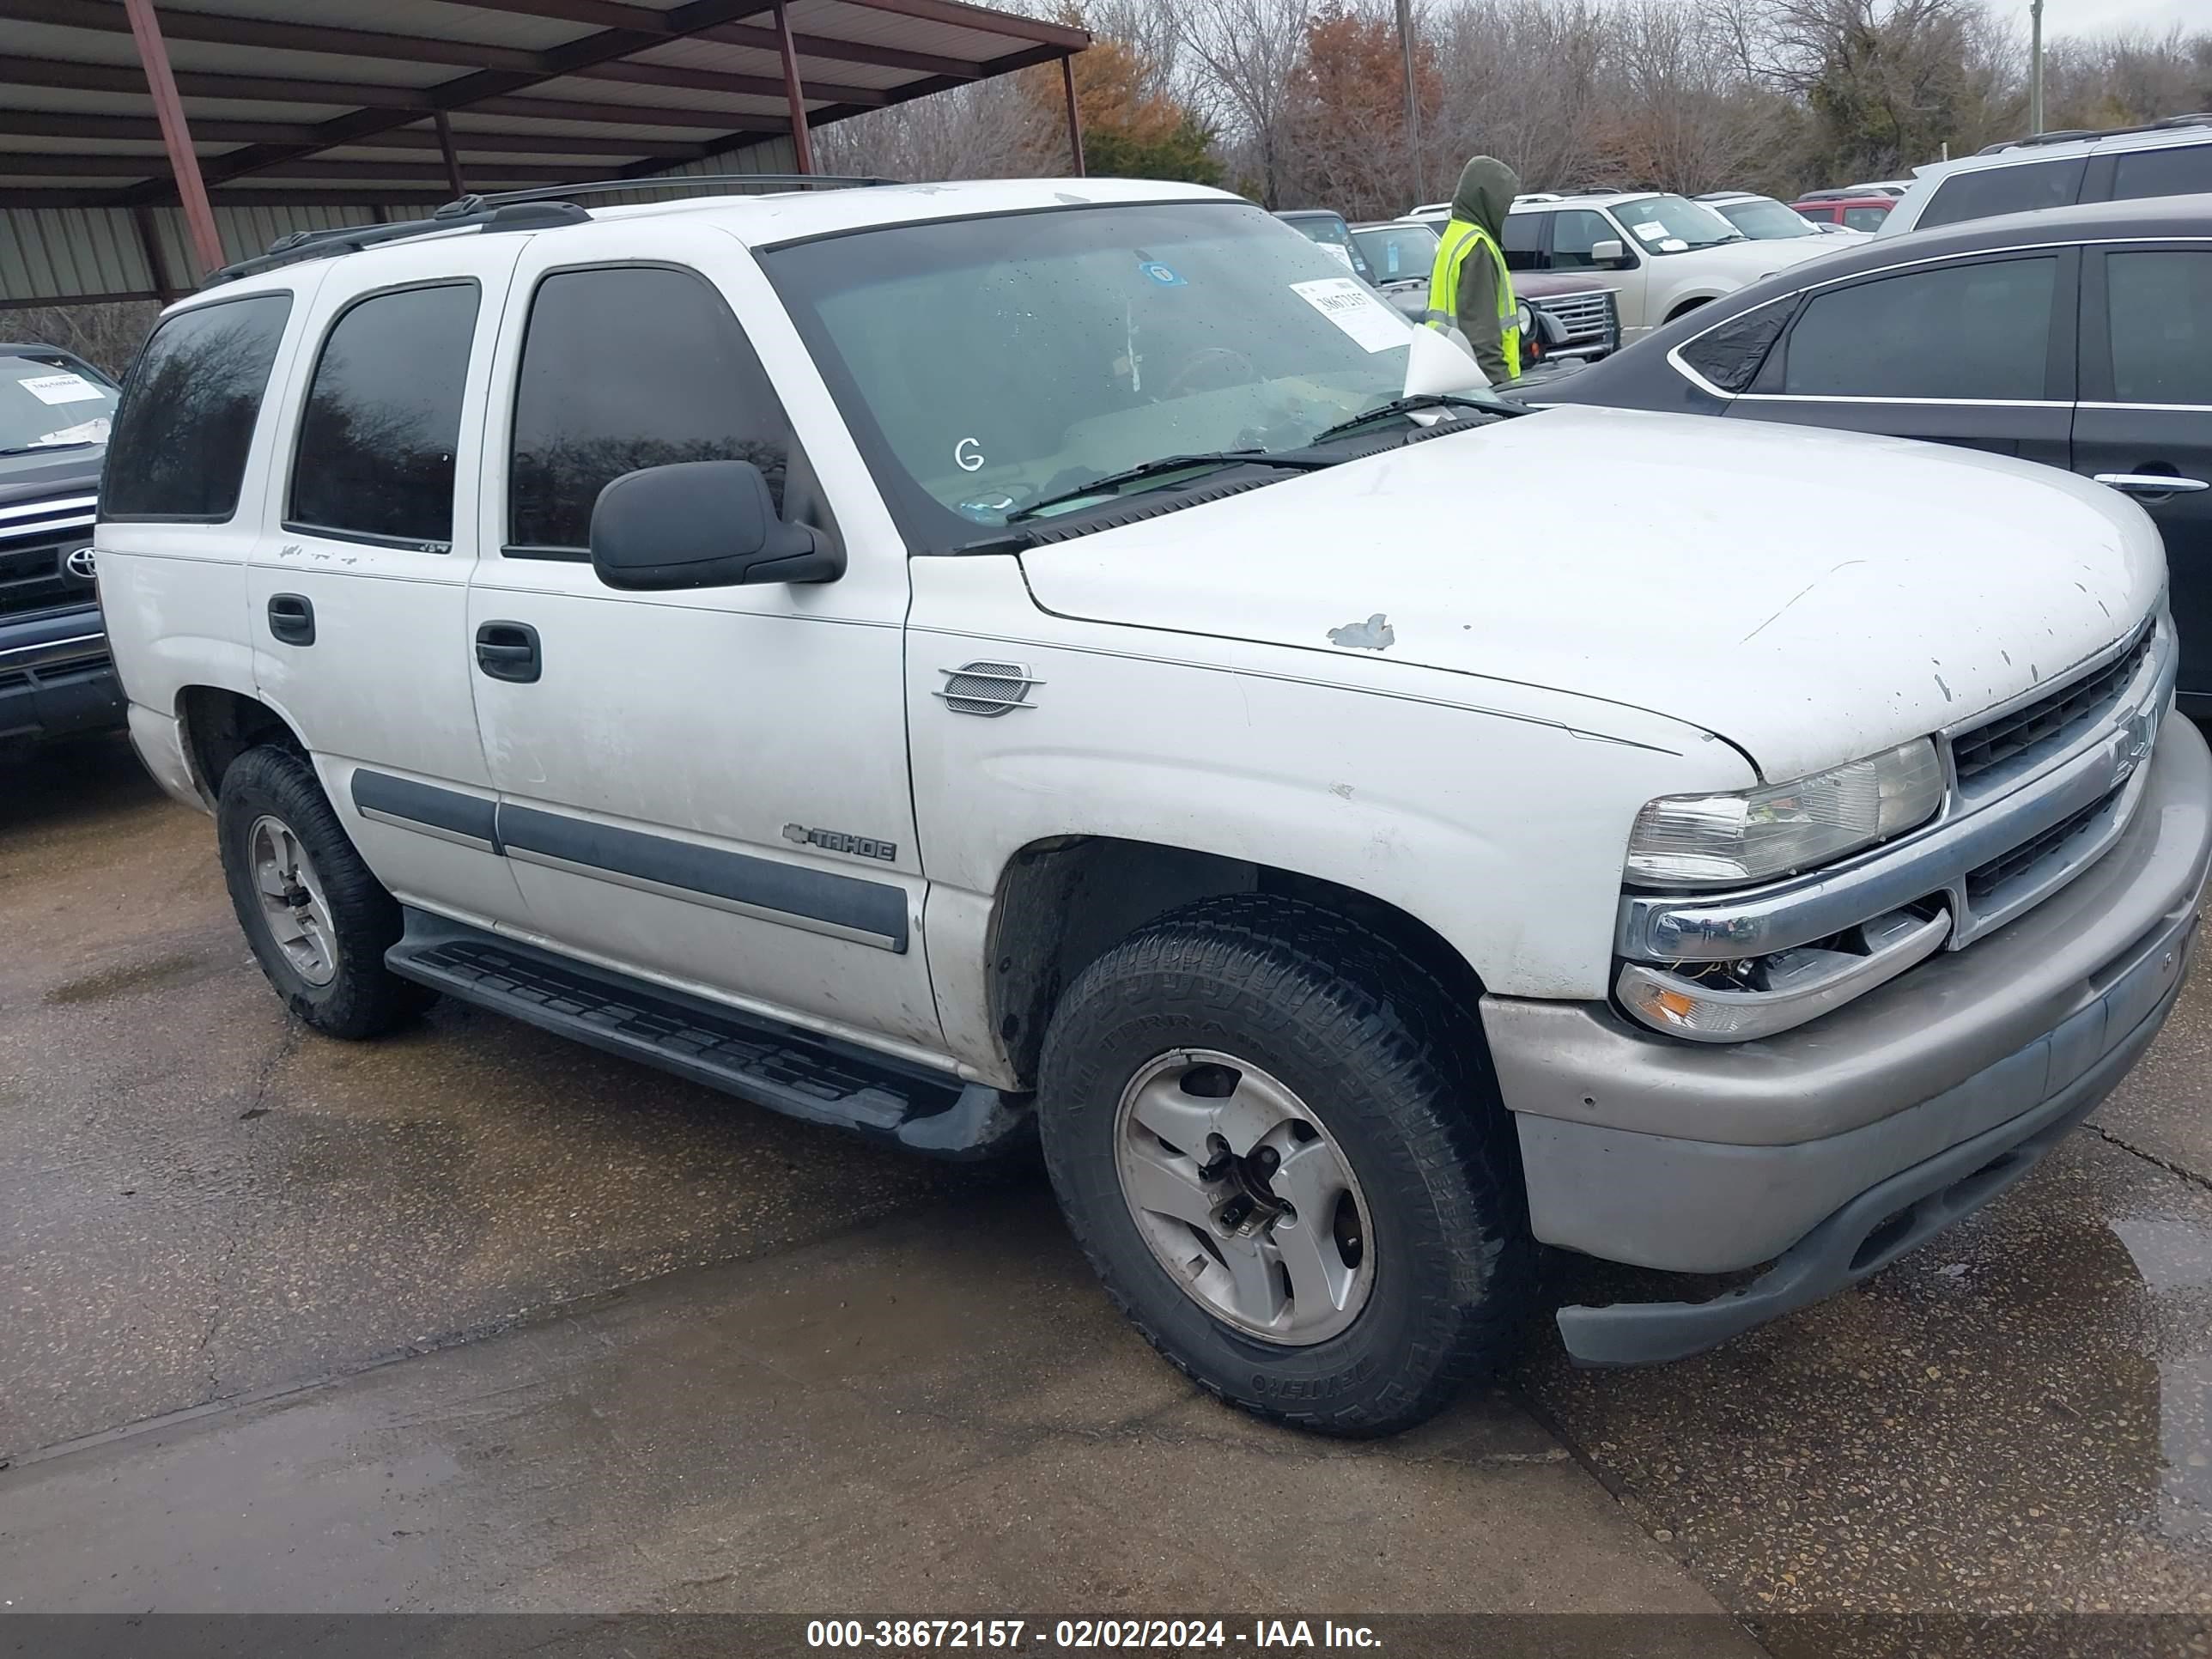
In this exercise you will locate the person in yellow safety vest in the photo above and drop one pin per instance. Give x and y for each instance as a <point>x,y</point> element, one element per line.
<point>1469,288</point>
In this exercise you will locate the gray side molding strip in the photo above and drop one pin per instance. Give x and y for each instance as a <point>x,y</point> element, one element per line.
<point>871,911</point>
<point>471,819</point>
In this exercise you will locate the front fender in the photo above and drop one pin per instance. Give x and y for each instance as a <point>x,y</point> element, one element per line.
<point>1495,813</point>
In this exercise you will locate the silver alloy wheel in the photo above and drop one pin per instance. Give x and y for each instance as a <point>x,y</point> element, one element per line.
<point>1244,1197</point>
<point>292,901</point>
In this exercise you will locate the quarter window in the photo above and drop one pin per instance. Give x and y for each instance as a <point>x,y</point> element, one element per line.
<point>1974,330</point>
<point>382,419</point>
<point>2016,189</point>
<point>182,436</point>
<point>2180,171</point>
<point>624,367</point>
<point>1730,355</point>
<point>2159,307</point>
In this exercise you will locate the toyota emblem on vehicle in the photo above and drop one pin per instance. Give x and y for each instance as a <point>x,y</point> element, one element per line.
<point>78,562</point>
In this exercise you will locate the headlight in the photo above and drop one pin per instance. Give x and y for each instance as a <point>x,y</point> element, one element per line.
<point>1725,841</point>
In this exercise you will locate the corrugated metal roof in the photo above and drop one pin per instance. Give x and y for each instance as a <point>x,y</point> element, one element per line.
<point>301,109</point>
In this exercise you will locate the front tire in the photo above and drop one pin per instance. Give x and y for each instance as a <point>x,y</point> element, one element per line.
<point>1280,1147</point>
<point>318,921</point>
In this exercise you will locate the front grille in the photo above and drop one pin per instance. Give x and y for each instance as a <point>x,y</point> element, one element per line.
<point>1985,880</point>
<point>1586,317</point>
<point>2049,721</point>
<point>31,574</point>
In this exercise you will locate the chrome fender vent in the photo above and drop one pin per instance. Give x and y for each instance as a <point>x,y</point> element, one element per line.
<point>989,689</point>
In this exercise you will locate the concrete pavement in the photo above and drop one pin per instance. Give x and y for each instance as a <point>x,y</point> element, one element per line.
<point>671,1351</point>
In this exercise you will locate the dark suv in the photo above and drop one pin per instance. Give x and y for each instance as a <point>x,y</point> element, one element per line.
<point>2078,336</point>
<point>56,679</point>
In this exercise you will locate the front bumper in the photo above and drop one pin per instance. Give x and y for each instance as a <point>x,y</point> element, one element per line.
<point>1832,1149</point>
<point>57,679</point>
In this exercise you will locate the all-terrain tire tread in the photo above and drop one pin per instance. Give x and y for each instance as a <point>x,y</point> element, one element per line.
<point>367,998</point>
<point>1283,962</point>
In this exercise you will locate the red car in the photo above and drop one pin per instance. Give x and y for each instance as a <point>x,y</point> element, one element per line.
<point>1852,209</point>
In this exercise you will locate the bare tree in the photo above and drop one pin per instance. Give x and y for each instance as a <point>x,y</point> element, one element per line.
<point>1243,55</point>
<point>1521,81</point>
<point>988,130</point>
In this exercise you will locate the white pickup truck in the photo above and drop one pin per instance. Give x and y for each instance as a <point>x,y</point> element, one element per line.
<point>962,662</point>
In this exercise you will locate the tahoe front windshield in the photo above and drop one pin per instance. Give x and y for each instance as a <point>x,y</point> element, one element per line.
<point>47,403</point>
<point>990,364</point>
<point>1764,221</point>
<point>1674,224</point>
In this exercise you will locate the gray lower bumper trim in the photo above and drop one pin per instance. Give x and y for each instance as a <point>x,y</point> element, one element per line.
<point>1887,1221</point>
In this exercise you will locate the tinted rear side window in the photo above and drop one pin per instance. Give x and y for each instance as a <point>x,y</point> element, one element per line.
<point>2181,171</point>
<point>627,368</point>
<point>1523,244</point>
<point>2016,189</point>
<point>2161,308</point>
<point>181,438</point>
<point>1864,218</point>
<point>1977,331</point>
<point>382,419</point>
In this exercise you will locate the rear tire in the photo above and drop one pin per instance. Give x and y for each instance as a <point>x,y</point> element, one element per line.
<point>1262,1034</point>
<point>318,921</point>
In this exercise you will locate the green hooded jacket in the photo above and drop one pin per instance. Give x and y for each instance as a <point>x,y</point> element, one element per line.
<point>1487,189</point>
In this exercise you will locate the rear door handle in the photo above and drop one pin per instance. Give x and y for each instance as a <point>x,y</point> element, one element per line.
<point>508,651</point>
<point>2151,483</point>
<point>292,618</point>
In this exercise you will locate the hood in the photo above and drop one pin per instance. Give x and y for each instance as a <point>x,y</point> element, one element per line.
<point>1664,561</point>
<point>1749,261</point>
<point>1487,189</point>
<point>44,472</point>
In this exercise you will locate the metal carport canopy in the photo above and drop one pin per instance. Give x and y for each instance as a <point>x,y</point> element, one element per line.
<point>301,113</point>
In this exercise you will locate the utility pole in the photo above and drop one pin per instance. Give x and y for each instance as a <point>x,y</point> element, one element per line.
<point>1412,96</point>
<point>2035,66</point>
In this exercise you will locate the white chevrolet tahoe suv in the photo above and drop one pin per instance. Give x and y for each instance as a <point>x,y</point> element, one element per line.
<point>971,662</point>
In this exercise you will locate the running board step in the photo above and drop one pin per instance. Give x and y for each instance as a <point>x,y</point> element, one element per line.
<point>780,1066</point>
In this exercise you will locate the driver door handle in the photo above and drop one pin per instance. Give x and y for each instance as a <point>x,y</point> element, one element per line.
<point>2150,483</point>
<point>508,651</point>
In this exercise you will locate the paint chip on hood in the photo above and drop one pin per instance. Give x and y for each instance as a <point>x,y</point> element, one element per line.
<point>1376,634</point>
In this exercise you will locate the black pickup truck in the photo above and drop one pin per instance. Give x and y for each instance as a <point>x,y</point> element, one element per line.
<point>56,679</point>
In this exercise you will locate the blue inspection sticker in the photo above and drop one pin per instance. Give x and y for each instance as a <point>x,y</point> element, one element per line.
<point>1163,275</point>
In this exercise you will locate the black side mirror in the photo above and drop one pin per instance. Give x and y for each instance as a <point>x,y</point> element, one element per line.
<point>703,524</point>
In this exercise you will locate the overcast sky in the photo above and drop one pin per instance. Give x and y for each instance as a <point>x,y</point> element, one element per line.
<point>2099,17</point>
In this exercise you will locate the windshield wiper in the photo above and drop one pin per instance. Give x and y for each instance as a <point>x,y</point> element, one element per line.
<point>41,449</point>
<point>1167,464</point>
<point>1407,405</point>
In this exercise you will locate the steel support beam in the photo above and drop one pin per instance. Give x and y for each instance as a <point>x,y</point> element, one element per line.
<point>176,135</point>
<point>794,95</point>
<point>450,155</point>
<point>1075,115</point>
<point>150,244</point>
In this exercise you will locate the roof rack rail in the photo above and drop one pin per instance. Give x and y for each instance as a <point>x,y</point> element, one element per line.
<point>670,181</point>
<point>304,244</point>
<point>2071,135</point>
<point>513,209</point>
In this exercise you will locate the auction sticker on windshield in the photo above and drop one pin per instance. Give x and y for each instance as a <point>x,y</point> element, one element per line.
<point>61,388</point>
<point>1345,301</point>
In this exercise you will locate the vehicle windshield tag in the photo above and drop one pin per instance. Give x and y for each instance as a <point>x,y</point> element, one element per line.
<point>1347,303</point>
<point>1651,230</point>
<point>62,389</point>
